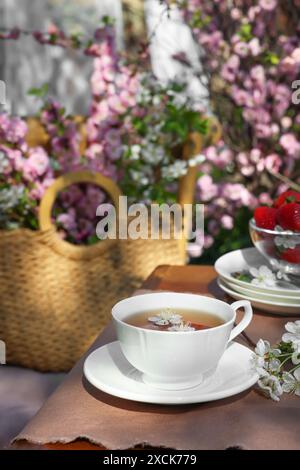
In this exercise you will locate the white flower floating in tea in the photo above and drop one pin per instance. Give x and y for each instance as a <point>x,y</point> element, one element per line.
<point>168,317</point>
<point>182,327</point>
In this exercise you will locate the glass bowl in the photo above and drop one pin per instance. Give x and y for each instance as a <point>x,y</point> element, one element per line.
<point>280,248</point>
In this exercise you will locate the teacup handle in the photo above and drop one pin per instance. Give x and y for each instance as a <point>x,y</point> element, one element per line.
<point>248,314</point>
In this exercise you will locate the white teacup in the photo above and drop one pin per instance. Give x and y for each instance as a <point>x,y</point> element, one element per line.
<point>177,360</point>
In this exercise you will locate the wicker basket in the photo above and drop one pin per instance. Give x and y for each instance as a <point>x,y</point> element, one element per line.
<point>56,297</point>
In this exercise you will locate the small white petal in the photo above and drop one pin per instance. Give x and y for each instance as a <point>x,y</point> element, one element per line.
<point>297,374</point>
<point>296,358</point>
<point>153,319</point>
<point>254,272</point>
<point>265,271</point>
<point>161,322</point>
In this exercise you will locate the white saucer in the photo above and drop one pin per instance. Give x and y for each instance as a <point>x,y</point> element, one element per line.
<point>107,369</point>
<point>264,297</point>
<point>242,260</point>
<point>279,308</point>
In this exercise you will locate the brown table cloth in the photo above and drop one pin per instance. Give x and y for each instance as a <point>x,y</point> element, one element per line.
<point>248,420</point>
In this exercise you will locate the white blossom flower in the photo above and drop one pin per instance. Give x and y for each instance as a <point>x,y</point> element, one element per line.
<point>166,317</point>
<point>135,149</point>
<point>270,384</point>
<point>161,322</point>
<point>258,364</point>
<point>175,170</point>
<point>263,276</point>
<point>10,197</point>
<point>274,365</point>
<point>262,347</point>
<point>4,162</point>
<point>293,335</point>
<point>153,154</point>
<point>153,319</point>
<point>196,160</point>
<point>296,357</point>
<point>156,100</point>
<point>291,382</point>
<point>182,327</point>
<point>175,319</point>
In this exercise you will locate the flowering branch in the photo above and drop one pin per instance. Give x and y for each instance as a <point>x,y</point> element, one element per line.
<point>56,37</point>
<point>284,179</point>
<point>271,363</point>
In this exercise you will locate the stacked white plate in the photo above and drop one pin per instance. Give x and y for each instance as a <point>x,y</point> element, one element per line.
<point>282,298</point>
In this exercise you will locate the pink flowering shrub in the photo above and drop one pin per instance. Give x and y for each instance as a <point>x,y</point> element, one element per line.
<point>252,56</point>
<point>25,173</point>
<point>132,131</point>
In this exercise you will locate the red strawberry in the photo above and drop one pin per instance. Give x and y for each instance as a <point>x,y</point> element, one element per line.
<point>288,216</point>
<point>265,217</point>
<point>292,255</point>
<point>286,197</point>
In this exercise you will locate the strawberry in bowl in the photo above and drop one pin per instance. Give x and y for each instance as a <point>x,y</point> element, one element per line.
<point>275,232</point>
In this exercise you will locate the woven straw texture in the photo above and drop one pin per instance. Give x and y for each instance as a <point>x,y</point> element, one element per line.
<point>53,305</point>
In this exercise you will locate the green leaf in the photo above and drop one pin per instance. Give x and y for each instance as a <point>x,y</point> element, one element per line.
<point>245,32</point>
<point>271,58</point>
<point>39,92</point>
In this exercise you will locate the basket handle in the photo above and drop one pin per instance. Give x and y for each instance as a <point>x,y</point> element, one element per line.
<point>46,205</point>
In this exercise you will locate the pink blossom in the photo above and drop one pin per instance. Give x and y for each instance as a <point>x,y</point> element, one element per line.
<point>286,122</point>
<point>235,14</point>
<point>263,131</point>
<point>227,221</point>
<point>212,40</point>
<point>255,155</point>
<point>246,168</point>
<point>239,193</point>
<point>273,162</point>
<point>95,150</point>
<point>296,55</point>
<point>127,99</point>
<point>228,74</point>
<point>115,104</point>
<point>257,74</point>
<point>241,49</point>
<point>12,129</point>
<point>254,47</point>
<point>268,4</point>
<point>194,250</point>
<point>253,12</point>
<point>67,220</point>
<point>241,97</point>
<point>265,198</point>
<point>208,241</point>
<point>288,65</point>
<point>290,144</point>
<point>207,189</point>
<point>37,164</point>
